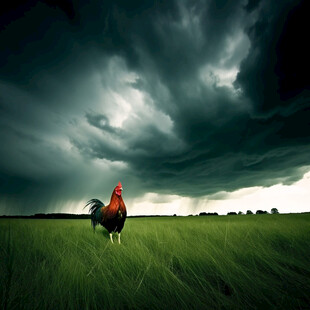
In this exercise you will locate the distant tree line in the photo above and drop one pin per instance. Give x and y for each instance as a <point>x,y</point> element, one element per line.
<point>87,216</point>
<point>50,216</point>
<point>68,216</point>
<point>273,211</point>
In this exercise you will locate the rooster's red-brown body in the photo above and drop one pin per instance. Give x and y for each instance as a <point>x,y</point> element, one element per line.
<point>112,216</point>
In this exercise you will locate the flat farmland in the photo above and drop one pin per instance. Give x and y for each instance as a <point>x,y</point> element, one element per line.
<point>206,262</point>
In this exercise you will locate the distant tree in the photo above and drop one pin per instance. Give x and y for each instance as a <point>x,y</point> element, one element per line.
<point>231,213</point>
<point>274,211</point>
<point>207,214</point>
<point>249,212</point>
<point>240,212</point>
<point>261,212</point>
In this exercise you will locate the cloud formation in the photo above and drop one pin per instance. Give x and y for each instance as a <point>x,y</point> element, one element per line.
<point>183,98</point>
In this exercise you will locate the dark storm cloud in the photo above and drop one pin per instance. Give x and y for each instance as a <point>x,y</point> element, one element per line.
<point>148,93</point>
<point>276,72</point>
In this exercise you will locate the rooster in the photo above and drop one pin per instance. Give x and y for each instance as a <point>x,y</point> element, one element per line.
<point>112,216</point>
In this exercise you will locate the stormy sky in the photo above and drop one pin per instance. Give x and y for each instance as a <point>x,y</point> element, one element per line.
<point>193,105</point>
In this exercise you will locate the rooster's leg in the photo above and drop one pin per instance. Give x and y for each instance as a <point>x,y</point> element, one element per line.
<point>119,238</point>
<point>111,238</point>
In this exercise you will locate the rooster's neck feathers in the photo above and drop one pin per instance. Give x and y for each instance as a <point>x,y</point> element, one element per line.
<point>115,200</point>
<point>116,203</point>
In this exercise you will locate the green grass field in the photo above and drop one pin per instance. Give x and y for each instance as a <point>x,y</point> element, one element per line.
<point>224,262</point>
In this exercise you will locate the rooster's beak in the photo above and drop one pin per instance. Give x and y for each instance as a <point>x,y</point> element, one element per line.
<point>121,188</point>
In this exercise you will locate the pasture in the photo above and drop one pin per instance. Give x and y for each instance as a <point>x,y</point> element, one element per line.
<point>217,262</point>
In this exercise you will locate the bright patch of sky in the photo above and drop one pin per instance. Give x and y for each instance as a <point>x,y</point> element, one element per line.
<point>286,198</point>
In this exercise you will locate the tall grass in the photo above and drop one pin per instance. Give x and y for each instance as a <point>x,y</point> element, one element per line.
<point>231,262</point>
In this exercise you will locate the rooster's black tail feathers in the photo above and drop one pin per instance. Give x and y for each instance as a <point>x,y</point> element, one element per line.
<point>94,208</point>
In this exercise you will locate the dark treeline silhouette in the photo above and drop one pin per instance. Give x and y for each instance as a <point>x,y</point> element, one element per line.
<point>207,214</point>
<point>87,216</point>
<point>68,216</point>
<point>50,216</point>
<point>137,216</point>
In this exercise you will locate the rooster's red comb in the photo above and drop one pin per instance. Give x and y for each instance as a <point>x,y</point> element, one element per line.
<point>119,184</point>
